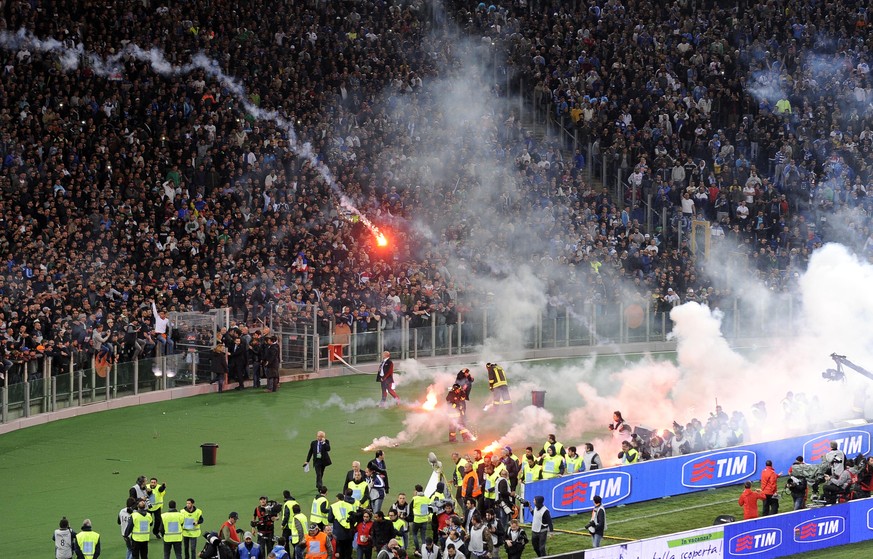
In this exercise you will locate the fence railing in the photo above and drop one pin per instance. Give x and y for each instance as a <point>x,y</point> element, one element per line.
<point>583,325</point>
<point>41,391</point>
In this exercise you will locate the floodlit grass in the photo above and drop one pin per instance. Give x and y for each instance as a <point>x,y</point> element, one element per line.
<point>83,467</point>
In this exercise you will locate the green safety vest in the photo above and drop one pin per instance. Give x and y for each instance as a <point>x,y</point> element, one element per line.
<point>532,474</point>
<point>490,487</point>
<point>297,536</point>
<point>173,526</point>
<point>156,499</point>
<point>87,542</point>
<point>459,470</point>
<point>360,491</point>
<point>341,510</point>
<point>316,516</point>
<point>142,526</point>
<point>287,512</point>
<point>574,465</point>
<point>420,509</point>
<point>551,466</point>
<point>191,523</point>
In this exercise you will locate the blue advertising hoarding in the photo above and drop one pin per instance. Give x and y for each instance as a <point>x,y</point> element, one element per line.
<point>766,537</point>
<point>654,479</point>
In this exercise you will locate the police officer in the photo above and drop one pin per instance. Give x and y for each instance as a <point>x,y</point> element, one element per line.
<point>87,542</point>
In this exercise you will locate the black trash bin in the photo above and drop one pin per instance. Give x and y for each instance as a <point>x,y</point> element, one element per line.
<point>210,453</point>
<point>538,398</point>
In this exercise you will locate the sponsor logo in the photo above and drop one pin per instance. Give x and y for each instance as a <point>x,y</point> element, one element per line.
<point>719,468</point>
<point>819,529</point>
<point>870,519</point>
<point>850,442</point>
<point>756,541</point>
<point>577,492</point>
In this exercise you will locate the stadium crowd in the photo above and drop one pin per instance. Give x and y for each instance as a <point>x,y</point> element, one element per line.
<point>123,189</point>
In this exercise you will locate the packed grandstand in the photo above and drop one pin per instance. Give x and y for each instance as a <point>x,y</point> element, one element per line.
<point>255,180</point>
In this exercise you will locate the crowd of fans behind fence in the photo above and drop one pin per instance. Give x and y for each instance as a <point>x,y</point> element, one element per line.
<point>130,188</point>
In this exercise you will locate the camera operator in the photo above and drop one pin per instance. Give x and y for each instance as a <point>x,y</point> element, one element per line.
<point>263,519</point>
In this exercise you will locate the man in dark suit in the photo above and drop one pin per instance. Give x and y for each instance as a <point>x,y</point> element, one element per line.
<point>319,455</point>
<point>385,376</point>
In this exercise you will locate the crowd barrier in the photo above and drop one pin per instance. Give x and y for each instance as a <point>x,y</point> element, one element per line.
<point>770,536</point>
<point>680,475</point>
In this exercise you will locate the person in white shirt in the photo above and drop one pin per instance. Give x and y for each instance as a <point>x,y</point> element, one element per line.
<point>162,330</point>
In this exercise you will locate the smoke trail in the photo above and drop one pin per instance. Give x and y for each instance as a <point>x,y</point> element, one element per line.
<point>71,57</point>
<point>336,400</point>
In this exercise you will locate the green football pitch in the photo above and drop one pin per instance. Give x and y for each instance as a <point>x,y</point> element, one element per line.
<point>83,467</point>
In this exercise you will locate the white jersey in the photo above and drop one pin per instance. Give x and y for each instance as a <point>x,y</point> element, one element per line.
<point>476,544</point>
<point>536,524</point>
<point>63,543</point>
<point>123,519</point>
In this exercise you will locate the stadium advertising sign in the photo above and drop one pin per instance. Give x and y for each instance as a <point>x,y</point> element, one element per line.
<point>705,543</point>
<point>755,541</point>
<point>852,442</point>
<point>576,493</point>
<point>718,468</point>
<point>679,475</point>
<point>819,529</point>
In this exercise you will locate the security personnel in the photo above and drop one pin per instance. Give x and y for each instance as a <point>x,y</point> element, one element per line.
<point>173,521</point>
<point>553,464</point>
<point>628,454</point>
<point>573,461</point>
<point>156,502</point>
<point>471,487</point>
<point>498,386</point>
<point>421,516</point>
<point>138,530</point>
<point>458,474</point>
<point>360,490</point>
<point>87,542</point>
<point>317,544</point>
<point>553,441</point>
<point>457,411</point>
<point>320,506</point>
<point>192,518</point>
<point>298,525</point>
<point>339,515</point>
<point>531,471</point>
<point>489,488</point>
<point>287,514</point>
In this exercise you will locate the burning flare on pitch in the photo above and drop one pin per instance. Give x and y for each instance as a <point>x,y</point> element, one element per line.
<point>430,401</point>
<point>491,448</point>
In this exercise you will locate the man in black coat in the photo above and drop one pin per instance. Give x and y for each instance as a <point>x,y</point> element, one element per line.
<point>319,455</point>
<point>270,363</point>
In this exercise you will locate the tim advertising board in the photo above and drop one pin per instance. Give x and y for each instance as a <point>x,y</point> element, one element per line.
<point>575,493</point>
<point>852,442</point>
<point>787,534</point>
<point>727,467</point>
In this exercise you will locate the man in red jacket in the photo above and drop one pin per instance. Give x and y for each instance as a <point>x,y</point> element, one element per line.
<point>749,501</point>
<point>770,489</point>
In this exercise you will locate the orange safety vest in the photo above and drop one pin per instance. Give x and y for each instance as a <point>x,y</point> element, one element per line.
<point>231,531</point>
<point>316,546</point>
<point>476,489</point>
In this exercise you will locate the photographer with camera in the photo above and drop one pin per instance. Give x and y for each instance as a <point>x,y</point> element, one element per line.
<point>541,526</point>
<point>263,519</point>
<point>597,525</point>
